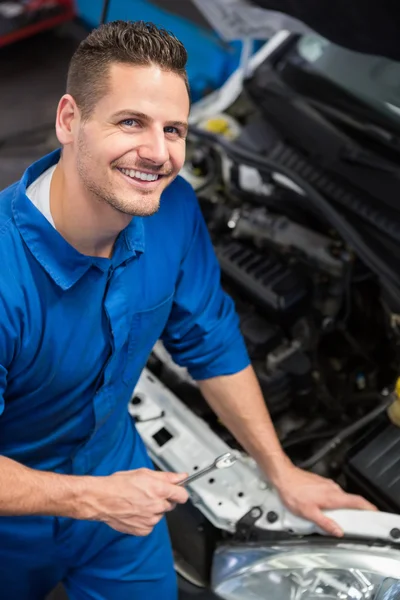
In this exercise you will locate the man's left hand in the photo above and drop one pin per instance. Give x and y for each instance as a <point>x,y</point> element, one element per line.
<point>307,495</point>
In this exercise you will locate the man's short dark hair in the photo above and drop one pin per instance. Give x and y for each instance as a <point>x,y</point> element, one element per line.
<point>128,42</point>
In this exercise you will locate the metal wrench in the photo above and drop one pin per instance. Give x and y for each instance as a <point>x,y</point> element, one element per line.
<point>222,462</point>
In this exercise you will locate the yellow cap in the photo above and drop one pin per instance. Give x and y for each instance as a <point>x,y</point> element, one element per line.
<point>217,125</point>
<point>394,409</point>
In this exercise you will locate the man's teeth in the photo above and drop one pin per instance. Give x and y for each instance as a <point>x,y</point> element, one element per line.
<point>139,175</point>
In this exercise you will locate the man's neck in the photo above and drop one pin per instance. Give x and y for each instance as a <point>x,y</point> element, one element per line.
<point>89,225</point>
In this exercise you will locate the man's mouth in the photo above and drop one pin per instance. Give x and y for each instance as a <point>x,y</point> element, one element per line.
<point>140,175</point>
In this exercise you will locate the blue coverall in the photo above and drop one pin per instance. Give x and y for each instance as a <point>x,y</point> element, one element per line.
<point>75,333</point>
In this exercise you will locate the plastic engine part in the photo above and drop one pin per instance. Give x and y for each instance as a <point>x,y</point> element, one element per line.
<point>272,285</point>
<point>374,469</point>
<point>261,337</point>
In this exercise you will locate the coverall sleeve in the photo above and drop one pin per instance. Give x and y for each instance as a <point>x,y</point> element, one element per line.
<point>203,332</point>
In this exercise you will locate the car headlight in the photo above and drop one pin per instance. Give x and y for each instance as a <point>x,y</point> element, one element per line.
<point>304,571</point>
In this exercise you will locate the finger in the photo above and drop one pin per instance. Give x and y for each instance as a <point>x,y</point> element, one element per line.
<point>175,477</point>
<point>169,506</point>
<point>337,487</point>
<point>325,523</point>
<point>360,503</point>
<point>177,494</point>
<point>141,531</point>
<point>351,501</point>
<point>153,520</point>
<point>164,507</point>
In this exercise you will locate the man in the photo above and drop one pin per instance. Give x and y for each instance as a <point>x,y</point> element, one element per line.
<point>103,250</point>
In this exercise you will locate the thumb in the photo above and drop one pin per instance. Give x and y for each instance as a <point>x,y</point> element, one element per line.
<point>326,524</point>
<point>175,477</point>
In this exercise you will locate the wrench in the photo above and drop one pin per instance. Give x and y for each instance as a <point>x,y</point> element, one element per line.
<point>222,462</point>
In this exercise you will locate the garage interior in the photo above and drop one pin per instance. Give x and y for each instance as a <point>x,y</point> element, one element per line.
<point>354,300</point>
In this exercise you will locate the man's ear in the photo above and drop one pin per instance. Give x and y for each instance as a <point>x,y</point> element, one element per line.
<point>67,120</point>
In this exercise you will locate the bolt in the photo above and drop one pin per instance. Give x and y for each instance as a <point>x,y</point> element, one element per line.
<point>135,400</point>
<point>255,513</point>
<point>272,516</point>
<point>395,533</point>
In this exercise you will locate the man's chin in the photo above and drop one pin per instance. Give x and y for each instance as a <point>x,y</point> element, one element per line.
<point>145,211</point>
<point>143,207</point>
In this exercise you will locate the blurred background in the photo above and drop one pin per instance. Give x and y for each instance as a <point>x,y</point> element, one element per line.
<point>37,39</point>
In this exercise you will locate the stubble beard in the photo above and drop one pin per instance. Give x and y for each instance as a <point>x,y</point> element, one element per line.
<point>143,204</point>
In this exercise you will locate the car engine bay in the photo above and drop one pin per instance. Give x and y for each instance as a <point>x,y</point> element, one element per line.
<point>298,182</point>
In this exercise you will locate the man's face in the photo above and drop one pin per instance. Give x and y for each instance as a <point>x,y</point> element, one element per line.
<point>133,145</point>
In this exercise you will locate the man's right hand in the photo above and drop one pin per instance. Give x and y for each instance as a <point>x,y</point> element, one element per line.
<point>134,501</point>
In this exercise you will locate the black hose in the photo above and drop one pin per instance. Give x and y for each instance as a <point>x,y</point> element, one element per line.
<point>300,440</point>
<point>346,433</point>
<point>386,275</point>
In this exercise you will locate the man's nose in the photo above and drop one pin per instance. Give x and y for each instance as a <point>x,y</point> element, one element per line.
<point>154,147</point>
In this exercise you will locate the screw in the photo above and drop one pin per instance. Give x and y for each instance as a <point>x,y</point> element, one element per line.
<point>272,516</point>
<point>395,533</point>
<point>135,400</point>
<point>255,513</point>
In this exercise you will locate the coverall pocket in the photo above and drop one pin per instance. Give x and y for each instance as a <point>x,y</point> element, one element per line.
<point>146,328</point>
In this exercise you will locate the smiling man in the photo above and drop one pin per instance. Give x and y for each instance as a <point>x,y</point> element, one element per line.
<point>103,251</point>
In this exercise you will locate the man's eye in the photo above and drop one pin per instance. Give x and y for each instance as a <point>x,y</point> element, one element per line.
<point>129,122</point>
<point>173,130</point>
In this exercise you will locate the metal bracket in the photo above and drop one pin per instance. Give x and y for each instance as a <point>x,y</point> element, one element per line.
<point>245,527</point>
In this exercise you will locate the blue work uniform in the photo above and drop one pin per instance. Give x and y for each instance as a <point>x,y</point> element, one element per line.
<point>75,334</point>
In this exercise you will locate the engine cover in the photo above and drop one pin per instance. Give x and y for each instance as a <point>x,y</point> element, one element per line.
<point>273,286</point>
<point>374,469</point>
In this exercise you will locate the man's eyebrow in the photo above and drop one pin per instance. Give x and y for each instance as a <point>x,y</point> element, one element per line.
<point>129,112</point>
<point>125,112</point>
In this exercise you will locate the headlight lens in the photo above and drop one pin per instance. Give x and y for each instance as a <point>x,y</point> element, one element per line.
<point>304,572</point>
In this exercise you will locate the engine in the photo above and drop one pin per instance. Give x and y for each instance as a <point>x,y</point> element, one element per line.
<point>323,341</point>
<point>314,282</point>
<point>311,313</point>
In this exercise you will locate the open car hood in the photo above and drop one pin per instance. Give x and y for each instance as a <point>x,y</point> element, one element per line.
<point>371,28</point>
